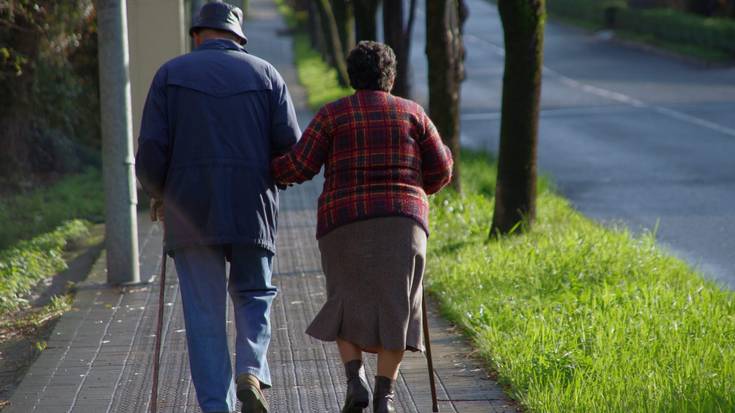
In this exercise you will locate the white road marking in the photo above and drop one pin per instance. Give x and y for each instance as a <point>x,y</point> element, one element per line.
<point>614,96</point>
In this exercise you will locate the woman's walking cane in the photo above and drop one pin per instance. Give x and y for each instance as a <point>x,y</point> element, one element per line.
<point>429,360</point>
<point>159,332</point>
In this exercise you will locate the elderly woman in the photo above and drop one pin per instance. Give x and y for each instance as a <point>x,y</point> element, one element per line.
<point>382,156</point>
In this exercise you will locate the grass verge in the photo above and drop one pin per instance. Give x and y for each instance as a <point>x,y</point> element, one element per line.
<point>576,317</point>
<point>25,330</point>
<point>23,337</point>
<point>28,262</point>
<point>677,49</point>
<point>27,215</point>
<point>36,319</point>
<point>317,76</point>
<point>37,228</point>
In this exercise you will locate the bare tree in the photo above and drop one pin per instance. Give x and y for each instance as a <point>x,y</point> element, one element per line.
<point>316,29</point>
<point>366,26</point>
<point>397,33</point>
<point>515,197</point>
<point>345,18</point>
<point>333,43</point>
<point>445,52</point>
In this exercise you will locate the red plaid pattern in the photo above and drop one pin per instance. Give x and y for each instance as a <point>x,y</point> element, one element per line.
<point>382,156</point>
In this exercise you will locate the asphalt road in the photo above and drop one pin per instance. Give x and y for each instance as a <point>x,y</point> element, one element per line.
<point>628,135</point>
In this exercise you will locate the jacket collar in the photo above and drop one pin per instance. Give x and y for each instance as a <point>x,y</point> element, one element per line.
<point>220,44</point>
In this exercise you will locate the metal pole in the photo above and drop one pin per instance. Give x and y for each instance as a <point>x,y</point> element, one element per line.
<point>117,144</point>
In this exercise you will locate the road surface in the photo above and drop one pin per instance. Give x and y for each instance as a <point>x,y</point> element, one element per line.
<point>628,135</point>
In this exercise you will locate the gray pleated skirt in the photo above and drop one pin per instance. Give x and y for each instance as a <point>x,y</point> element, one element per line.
<point>374,271</point>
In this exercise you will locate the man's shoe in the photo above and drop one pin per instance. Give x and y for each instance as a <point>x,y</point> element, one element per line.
<point>357,397</point>
<point>383,395</point>
<point>249,393</point>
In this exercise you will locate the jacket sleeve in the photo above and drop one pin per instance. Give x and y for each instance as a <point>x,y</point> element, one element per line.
<point>285,131</point>
<point>306,158</point>
<point>153,157</point>
<point>436,158</point>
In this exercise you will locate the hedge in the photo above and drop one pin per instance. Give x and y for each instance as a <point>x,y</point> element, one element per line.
<point>588,10</point>
<point>675,26</point>
<point>667,25</point>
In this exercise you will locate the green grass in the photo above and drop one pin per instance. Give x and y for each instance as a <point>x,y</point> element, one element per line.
<point>676,48</point>
<point>37,318</point>
<point>30,261</point>
<point>294,20</point>
<point>317,76</point>
<point>37,227</point>
<point>681,49</point>
<point>575,317</point>
<point>30,214</point>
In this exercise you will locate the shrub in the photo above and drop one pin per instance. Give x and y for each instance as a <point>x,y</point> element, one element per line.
<point>28,262</point>
<point>674,26</point>
<point>590,11</point>
<point>28,215</point>
<point>660,24</point>
<point>48,89</point>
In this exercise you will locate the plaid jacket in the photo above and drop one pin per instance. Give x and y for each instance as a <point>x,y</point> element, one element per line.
<point>382,156</point>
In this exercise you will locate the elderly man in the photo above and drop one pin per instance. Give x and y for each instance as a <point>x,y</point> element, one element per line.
<point>213,120</point>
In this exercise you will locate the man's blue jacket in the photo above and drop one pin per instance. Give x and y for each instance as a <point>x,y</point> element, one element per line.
<point>212,121</point>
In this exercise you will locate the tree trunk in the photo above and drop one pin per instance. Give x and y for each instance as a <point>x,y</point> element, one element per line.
<point>366,25</point>
<point>444,53</point>
<point>398,36</point>
<point>334,46</point>
<point>407,38</point>
<point>463,13</point>
<point>345,17</point>
<point>515,197</point>
<point>393,33</point>
<point>316,30</point>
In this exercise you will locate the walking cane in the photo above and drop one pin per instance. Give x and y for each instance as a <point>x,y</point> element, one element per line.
<point>159,331</point>
<point>429,360</point>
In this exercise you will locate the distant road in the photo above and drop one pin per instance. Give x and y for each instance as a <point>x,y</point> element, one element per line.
<point>628,135</point>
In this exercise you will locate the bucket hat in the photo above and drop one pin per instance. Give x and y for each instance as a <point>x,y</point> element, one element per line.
<point>220,16</point>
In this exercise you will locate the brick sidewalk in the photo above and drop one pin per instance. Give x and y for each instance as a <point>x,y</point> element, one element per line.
<point>99,357</point>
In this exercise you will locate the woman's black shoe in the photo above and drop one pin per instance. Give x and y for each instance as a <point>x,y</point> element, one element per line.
<point>384,395</point>
<point>358,396</point>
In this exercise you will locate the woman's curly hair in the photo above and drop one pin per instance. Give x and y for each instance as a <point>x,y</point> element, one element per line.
<point>371,65</point>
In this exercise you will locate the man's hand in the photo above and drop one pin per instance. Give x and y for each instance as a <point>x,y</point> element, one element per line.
<point>156,210</point>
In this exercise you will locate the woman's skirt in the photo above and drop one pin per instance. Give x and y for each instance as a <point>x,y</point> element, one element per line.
<point>374,271</point>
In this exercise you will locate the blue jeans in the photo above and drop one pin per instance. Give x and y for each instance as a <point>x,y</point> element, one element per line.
<point>202,281</point>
